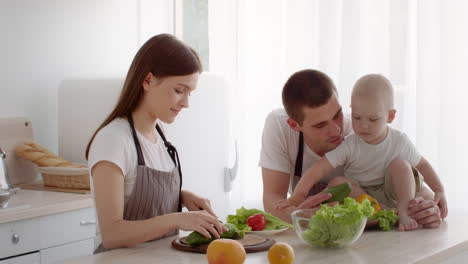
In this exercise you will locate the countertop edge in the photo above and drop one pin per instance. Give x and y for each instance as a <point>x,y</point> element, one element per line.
<point>441,256</point>
<point>44,210</point>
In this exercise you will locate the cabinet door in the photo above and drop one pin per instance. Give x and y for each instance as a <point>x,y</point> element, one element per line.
<point>19,237</point>
<point>60,253</point>
<point>33,258</point>
<point>68,227</point>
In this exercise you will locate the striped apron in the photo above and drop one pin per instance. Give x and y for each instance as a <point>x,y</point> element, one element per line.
<point>155,192</point>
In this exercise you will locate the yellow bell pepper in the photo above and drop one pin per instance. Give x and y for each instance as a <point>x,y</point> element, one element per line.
<point>371,199</point>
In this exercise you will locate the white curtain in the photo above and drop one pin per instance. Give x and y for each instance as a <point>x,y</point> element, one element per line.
<point>419,45</point>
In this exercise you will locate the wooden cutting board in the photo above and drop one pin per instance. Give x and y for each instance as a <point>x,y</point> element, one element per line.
<point>13,132</point>
<point>252,243</point>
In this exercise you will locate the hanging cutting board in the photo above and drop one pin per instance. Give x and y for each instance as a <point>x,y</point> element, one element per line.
<point>252,243</point>
<point>13,132</point>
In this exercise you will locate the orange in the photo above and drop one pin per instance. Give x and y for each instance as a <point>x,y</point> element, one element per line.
<point>281,253</point>
<point>225,251</point>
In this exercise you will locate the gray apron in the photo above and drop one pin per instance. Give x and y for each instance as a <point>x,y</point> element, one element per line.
<point>318,187</point>
<point>155,192</point>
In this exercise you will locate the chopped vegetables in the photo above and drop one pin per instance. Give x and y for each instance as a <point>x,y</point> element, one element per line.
<point>371,199</point>
<point>330,226</point>
<point>257,222</point>
<point>196,239</point>
<point>240,219</point>
<point>387,219</point>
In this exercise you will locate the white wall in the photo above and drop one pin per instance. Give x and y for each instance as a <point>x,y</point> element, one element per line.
<point>45,42</point>
<point>77,44</point>
<point>204,142</point>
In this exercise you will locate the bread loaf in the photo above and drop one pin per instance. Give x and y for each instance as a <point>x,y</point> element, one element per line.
<point>42,157</point>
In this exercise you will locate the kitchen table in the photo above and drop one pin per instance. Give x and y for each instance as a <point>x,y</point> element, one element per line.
<point>446,244</point>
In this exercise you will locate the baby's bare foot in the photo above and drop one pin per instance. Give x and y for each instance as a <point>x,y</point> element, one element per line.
<point>407,223</point>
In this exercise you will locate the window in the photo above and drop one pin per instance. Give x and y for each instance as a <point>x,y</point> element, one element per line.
<point>191,25</point>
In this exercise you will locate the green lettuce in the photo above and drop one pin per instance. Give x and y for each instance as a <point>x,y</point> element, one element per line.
<point>387,219</point>
<point>330,226</point>
<point>240,220</point>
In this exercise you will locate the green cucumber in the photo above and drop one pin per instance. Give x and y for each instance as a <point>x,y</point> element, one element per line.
<point>339,192</point>
<point>197,239</point>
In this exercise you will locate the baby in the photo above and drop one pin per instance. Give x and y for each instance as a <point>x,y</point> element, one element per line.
<point>378,159</point>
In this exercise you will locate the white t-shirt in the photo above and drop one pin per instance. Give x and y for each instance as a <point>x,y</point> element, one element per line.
<point>280,144</point>
<point>365,163</point>
<point>114,143</point>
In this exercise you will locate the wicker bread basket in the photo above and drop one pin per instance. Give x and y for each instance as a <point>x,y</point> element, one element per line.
<point>65,177</point>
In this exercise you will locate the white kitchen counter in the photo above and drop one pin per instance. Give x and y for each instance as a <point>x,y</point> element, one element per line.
<point>420,246</point>
<point>26,204</point>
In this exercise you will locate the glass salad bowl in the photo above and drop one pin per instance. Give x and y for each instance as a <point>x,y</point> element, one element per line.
<point>327,230</point>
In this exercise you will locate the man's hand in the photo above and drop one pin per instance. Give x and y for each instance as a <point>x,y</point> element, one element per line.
<point>275,189</point>
<point>425,212</point>
<point>315,201</point>
<point>293,200</point>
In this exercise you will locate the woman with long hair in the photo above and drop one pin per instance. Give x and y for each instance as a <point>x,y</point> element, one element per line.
<point>136,173</point>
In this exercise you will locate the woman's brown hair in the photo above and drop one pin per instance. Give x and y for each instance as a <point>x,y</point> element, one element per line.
<point>163,55</point>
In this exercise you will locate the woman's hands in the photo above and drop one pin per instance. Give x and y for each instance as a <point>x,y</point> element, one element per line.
<point>200,221</point>
<point>194,202</point>
<point>201,217</point>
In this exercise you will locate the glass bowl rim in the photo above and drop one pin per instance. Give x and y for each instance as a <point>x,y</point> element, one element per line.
<point>295,212</point>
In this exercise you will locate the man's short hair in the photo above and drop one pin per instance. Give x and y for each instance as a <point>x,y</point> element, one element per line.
<point>306,88</point>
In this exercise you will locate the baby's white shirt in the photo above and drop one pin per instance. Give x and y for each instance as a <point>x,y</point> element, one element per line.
<point>366,163</point>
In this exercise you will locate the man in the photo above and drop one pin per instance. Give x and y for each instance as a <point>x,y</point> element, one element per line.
<point>310,125</point>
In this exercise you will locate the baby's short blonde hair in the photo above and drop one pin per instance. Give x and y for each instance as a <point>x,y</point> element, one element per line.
<point>374,87</point>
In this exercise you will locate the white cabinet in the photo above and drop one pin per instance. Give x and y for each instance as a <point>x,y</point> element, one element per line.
<point>60,253</point>
<point>33,258</point>
<point>56,237</point>
<point>59,229</point>
<point>19,237</point>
